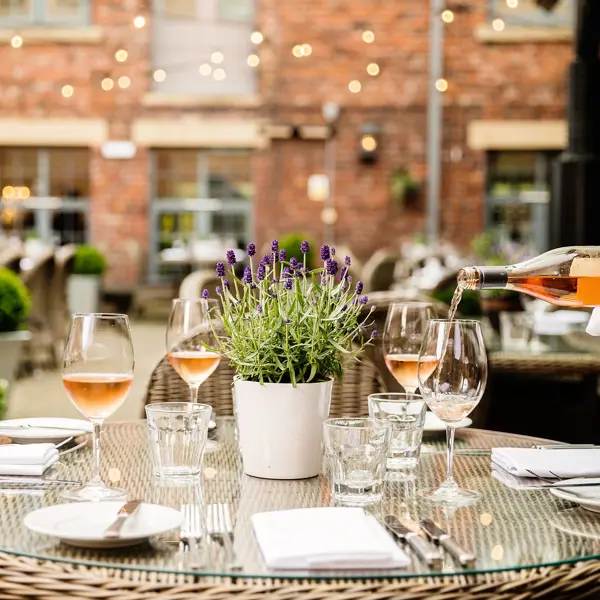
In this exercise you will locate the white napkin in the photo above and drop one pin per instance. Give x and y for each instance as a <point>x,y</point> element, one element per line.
<point>325,538</point>
<point>581,462</point>
<point>513,482</point>
<point>29,459</point>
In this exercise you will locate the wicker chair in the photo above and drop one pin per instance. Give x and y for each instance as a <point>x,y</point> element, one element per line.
<point>379,271</point>
<point>203,279</point>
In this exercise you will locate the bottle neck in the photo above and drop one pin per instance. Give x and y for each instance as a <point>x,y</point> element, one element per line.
<point>482,278</point>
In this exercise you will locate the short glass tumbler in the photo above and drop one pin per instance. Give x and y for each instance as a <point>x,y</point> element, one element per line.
<point>406,415</point>
<point>177,433</point>
<point>356,452</point>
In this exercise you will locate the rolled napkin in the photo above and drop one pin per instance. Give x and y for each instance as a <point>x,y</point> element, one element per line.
<point>325,538</point>
<point>27,459</point>
<point>579,462</point>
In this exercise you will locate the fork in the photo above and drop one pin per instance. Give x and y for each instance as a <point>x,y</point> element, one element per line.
<point>191,531</point>
<point>220,526</point>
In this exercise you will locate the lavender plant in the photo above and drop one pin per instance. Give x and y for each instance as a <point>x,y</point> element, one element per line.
<point>285,323</point>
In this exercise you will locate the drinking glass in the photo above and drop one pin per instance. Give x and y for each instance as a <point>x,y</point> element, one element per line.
<point>516,329</point>
<point>406,415</point>
<point>97,374</point>
<point>190,333</point>
<point>403,334</point>
<point>356,451</point>
<point>177,432</point>
<point>454,388</point>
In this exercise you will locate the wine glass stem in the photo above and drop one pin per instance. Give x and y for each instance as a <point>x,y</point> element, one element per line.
<point>194,393</point>
<point>450,441</point>
<point>96,450</point>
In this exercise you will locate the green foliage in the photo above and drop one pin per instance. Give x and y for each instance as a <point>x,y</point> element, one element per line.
<point>470,304</point>
<point>14,301</point>
<point>88,261</point>
<point>403,185</point>
<point>293,241</point>
<point>3,394</point>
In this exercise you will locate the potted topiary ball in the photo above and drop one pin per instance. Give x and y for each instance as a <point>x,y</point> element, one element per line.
<point>84,284</point>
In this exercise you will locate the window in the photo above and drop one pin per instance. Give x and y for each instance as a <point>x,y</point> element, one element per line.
<point>528,13</point>
<point>178,9</point>
<point>236,10</point>
<point>44,12</point>
<point>45,192</point>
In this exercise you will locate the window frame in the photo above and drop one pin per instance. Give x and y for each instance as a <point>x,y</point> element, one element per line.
<point>38,17</point>
<point>539,18</point>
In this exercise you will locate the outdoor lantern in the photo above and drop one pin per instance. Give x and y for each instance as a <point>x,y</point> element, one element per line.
<point>368,144</point>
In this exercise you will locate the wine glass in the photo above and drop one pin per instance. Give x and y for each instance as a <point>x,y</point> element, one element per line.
<point>403,335</point>
<point>97,375</point>
<point>190,333</point>
<point>453,389</point>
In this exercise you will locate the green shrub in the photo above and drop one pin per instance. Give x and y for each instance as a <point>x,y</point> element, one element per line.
<point>3,393</point>
<point>14,301</point>
<point>291,242</point>
<point>89,261</point>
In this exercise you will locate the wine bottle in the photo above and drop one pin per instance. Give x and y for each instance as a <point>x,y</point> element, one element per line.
<point>564,276</point>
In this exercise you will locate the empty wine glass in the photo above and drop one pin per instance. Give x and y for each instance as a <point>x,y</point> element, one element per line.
<point>191,331</point>
<point>97,374</point>
<point>403,335</point>
<point>454,388</point>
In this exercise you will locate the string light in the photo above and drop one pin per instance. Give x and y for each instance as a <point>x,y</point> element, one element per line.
<point>368,36</point>
<point>373,69</point>
<point>107,84</point>
<point>498,24</point>
<point>354,86</point>
<point>121,55</point>
<point>8,192</point>
<point>124,82</point>
<point>447,16</point>
<point>67,91</point>
<point>298,51</point>
<point>219,74</point>
<point>23,193</point>
<point>217,57</point>
<point>307,49</point>
<point>139,22</point>
<point>497,552</point>
<point>205,69</point>
<point>16,41</point>
<point>441,85</point>
<point>160,75</point>
<point>257,37</point>
<point>368,143</point>
<point>253,60</point>
<point>512,3</point>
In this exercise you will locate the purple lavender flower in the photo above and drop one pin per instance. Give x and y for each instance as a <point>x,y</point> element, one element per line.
<point>251,249</point>
<point>347,261</point>
<point>349,278</point>
<point>363,300</point>
<point>332,251</point>
<point>288,284</point>
<point>304,247</point>
<point>325,253</point>
<point>274,280</point>
<point>218,290</point>
<point>345,287</point>
<point>343,273</point>
<point>332,266</point>
<point>226,283</point>
<point>247,276</point>
<point>205,294</point>
<point>260,272</point>
<point>231,257</point>
<point>259,308</point>
<point>294,264</point>
<point>275,246</point>
<point>282,255</point>
<point>266,259</point>
<point>287,321</point>
<point>286,273</point>
<point>220,269</point>
<point>373,333</point>
<point>359,288</point>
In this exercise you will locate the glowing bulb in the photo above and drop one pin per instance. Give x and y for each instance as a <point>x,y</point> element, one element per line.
<point>368,143</point>
<point>205,69</point>
<point>124,82</point>
<point>512,3</point>
<point>497,552</point>
<point>354,86</point>
<point>219,74</point>
<point>298,51</point>
<point>8,191</point>
<point>441,85</point>
<point>23,193</point>
<point>368,36</point>
<point>139,22</point>
<point>16,41</point>
<point>217,57</point>
<point>160,75</point>
<point>253,60</point>
<point>485,519</point>
<point>498,24</point>
<point>307,49</point>
<point>107,84</point>
<point>67,91</point>
<point>121,55</point>
<point>373,69</point>
<point>447,16</point>
<point>257,37</point>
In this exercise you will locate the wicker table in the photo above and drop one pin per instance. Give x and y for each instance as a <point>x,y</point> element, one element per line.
<point>528,544</point>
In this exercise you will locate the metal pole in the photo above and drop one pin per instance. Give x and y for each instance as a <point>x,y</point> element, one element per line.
<point>434,120</point>
<point>330,170</point>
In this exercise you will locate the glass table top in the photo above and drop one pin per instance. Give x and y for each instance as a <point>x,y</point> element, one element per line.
<point>507,529</point>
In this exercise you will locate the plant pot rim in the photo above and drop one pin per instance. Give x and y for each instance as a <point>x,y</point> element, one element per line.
<point>237,380</point>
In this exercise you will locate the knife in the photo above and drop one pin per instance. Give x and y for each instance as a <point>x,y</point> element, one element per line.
<point>428,552</point>
<point>114,529</point>
<point>439,536</point>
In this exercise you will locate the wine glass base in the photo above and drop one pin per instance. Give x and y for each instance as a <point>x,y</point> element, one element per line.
<point>94,493</point>
<point>451,495</point>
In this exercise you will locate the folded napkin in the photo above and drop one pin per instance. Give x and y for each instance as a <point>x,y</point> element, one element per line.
<point>325,538</point>
<point>580,462</point>
<point>513,481</point>
<point>28,459</point>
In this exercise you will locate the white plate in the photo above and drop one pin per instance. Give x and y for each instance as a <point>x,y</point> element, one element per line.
<point>586,497</point>
<point>434,424</point>
<point>60,430</point>
<point>83,524</point>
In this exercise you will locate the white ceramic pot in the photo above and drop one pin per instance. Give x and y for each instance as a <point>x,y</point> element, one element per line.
<point>280,427</point>
<point>83,293</point>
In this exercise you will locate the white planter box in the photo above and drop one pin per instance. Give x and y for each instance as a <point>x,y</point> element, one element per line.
<point>281,427</point>
<point>83,293</point>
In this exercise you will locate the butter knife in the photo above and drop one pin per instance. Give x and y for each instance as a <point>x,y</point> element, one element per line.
<point>425,550</point>
<point>114,529</point>
<point>439,536</point>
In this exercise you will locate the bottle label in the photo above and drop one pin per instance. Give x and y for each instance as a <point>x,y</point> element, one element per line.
<point>587,271</point>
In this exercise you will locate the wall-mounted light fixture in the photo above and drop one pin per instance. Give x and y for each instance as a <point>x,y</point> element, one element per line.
<point>369,143</point>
